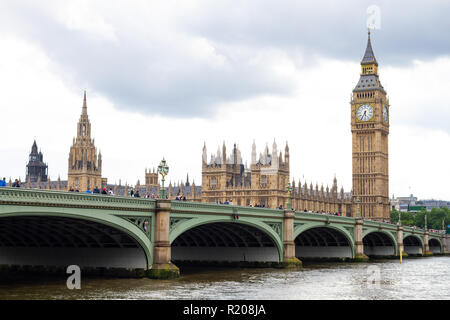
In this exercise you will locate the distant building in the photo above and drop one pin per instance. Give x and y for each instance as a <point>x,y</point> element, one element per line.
<point>431,204</point>
<point>36,168</point>
<point>402,203</point>
<point>412,204</point>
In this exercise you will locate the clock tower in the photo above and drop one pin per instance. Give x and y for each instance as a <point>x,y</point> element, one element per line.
<point>370,131</point>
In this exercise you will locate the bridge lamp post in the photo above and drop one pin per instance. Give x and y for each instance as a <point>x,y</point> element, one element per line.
<point>289,190</point>
<point>163,170</point>
<point>426,223</point>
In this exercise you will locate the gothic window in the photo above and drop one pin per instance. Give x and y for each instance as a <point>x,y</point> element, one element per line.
<point>84,130</point>
<point>213,183</point>
<point>263,181</point>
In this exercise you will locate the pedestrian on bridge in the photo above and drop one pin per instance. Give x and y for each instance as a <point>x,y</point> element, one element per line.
<point>3,182</point>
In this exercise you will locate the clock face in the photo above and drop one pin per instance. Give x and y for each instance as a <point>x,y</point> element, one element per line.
<point>385,114</point>
<point>365,112</point>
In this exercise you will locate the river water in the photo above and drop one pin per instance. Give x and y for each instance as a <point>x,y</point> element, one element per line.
<point>415,278</point>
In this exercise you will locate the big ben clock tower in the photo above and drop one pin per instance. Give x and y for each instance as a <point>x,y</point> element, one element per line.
<point>370,131</point>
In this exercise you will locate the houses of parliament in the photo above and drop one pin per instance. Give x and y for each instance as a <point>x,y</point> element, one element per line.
<point>225,177</point>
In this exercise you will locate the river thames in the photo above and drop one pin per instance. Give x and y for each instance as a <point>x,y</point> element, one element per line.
<point>415,278</point>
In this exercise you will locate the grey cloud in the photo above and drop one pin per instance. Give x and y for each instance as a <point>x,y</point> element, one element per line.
<point>409,29</point>
<point>150,73</point>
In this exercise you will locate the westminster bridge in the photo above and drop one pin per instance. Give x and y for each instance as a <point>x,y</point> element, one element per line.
<point>52,229</point>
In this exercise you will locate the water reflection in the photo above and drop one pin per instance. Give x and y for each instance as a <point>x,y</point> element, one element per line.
<point>421,278</point>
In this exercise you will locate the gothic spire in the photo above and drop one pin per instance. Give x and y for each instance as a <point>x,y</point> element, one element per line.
<point>369,57</point>
<point>253,152</point>
<point>84,109</point>
<point>34,147</point>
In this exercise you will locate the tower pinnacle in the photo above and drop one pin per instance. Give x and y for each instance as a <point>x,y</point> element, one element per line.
<point>369,57</point>
<point>84,109</point>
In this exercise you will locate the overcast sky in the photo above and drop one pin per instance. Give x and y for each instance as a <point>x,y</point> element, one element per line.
<point>163,77</point>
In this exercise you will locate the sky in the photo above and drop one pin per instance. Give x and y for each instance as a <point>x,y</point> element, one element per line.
<point>163,78</point>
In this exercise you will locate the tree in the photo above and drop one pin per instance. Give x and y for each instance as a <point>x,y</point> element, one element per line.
<point>394,216</point>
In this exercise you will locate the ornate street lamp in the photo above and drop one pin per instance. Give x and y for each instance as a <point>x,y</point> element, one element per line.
<point>289,190</point>
<point>163,170</point>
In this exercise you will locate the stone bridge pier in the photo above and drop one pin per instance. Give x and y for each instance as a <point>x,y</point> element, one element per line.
<point>401,248</point>
<point>289,258</point>
<point>359,245</point>
<point>162,266</point>
<point>446,244</point>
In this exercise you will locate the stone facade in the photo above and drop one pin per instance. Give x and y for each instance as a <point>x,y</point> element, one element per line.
<point>85,165</point>
<point>264,183</point>
<point>370,131</point>
<point>226,178</point>
<point>304,198</point>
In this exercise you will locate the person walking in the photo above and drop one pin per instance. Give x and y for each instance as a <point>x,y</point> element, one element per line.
<point>3,182</point>
<point>88,190</point>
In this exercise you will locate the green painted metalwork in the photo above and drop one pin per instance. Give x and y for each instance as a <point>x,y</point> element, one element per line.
<point>136,216</point>
<point>51,198</point>
<point>316,224</point>
<point>144,223</point>
<point>163,170</point>
<point>390,233</point>
<point>187,224</point>
<point>85,214</point>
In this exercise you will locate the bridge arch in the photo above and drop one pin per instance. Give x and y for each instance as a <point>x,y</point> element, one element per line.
<point>243,240</point>
<point>413,244</point>
<point>323,241</point>
<point>379,243</point>
<point>76,236</point>
<point>435,245</point>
